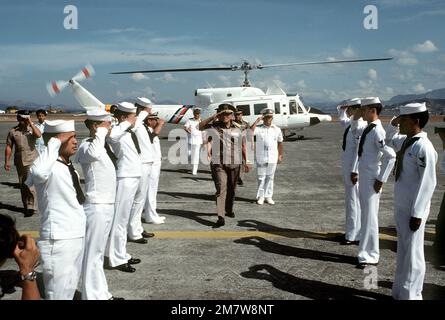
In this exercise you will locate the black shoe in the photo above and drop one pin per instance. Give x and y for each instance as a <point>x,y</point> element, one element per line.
<point>146,234</point>
<point>133,261</point>
<point>30,213</point>
<point>220,222</point>
<point>141,240</point>
<point>240,182</point>
<point>125,268</point>
<point>116,298</point>
<point>230,215</point>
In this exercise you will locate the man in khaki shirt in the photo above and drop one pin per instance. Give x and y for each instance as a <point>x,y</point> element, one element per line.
<point>228,154</point>
<point>23,137</point>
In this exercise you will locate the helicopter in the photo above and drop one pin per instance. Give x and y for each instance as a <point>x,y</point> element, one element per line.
<point>291,114</point>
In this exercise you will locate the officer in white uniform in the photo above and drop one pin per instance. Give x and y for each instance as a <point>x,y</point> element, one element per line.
<point>129,167</point>
<point>373,165</point>
<point>349,153</point>
<point>60,200</point>
<point>415,175</point>
<point>268,152</point>
<point>98,166</point>
<point>147,156</point>
<point>194,138</point>
<point>154,125</point>
<point>41,117</point>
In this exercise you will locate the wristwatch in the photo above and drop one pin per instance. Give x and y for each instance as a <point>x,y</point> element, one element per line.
<point>30,276</point>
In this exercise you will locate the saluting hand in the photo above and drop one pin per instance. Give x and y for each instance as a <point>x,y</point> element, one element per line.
<point>354,178</point>
<point>378,186</point>
<point>64,136</point>
<point>414,223</point>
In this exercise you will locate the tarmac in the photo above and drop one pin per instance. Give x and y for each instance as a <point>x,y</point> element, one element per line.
<point>286,251</point>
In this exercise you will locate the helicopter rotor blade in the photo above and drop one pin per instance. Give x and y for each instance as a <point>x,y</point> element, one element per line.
<point>55,87</point>
<point>86,72</point>
<point>320,62</point>
<point>178,70</point>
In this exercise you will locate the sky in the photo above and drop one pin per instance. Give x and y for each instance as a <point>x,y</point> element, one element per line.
<point>114,35</point>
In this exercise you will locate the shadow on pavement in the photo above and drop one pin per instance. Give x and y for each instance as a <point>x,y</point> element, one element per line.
<point>311,289</point>
<point>199,196</point>
<point>190,215</point>
<point>11,208</point>
<point>273,247</point>
<point>10,184</point>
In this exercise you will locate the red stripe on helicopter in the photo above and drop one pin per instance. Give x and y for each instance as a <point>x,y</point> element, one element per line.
<point>55,88</point>
<point>86,72</point>
<point>179,114</point>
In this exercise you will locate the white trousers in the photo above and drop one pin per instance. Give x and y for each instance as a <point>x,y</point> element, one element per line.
<point>352,207</point>
<point>410,270</point>
<point>369,234</point>
<point>194,156</point>
<point>125,193</point>
<point>61,264</point>
<point>265,176</point>
<point>99,221</point>
<point>150,212</point>
<point>135,228</point>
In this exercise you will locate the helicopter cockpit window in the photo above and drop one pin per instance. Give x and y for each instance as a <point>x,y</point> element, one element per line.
<point>277,108</point>
<point>293,107</point>
<point>245,108</point>
<point>258,107</point>
<point>300,110</point>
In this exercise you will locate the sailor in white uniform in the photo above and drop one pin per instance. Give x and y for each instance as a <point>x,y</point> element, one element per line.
<point>154,125</point>
<point>373,165</point>
<point>349,153</point>
<point>129,167</point>
<point>147,156</point>
<point>195,139</point>
<point>60,200</point>
<point>415,175</point>
<point>268,153</point>
<point>98,166</point>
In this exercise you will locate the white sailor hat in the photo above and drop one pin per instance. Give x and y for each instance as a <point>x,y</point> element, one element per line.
<point>59,126</point>
<point>267,112</point>
<point>98,115</point>
<point>144,102</point>
<point>126,107</point>
<point>370,101</point>
<point>353,102</point>
<point>411,108</point>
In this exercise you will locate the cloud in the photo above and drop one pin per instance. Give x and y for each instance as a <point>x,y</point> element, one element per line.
<point>139,77</point>
<point>364,84</point>
<point>119,94</point>
<point>348,52</point>
<point>168,77</point>
<point>301,84</point>
<point>427,47</point>
<point>226,80</point>
<point>117,31</point>
<point>372,73</point>
<point>419,88</point>
<point>404,58</point>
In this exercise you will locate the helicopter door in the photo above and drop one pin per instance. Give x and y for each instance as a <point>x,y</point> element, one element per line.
<point>282,114</point>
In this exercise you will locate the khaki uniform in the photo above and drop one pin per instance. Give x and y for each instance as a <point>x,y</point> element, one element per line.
<point>225,163</point>
<point>24,155</point>
<point>244,125</point>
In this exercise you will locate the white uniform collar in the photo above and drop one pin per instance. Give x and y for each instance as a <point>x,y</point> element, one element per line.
<point>377,122</point>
